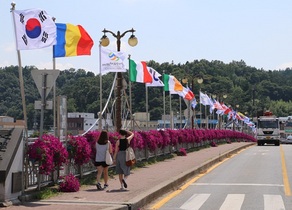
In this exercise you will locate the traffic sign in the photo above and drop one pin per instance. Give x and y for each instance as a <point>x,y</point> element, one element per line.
<point>38,105</point>
<point>50,75</point>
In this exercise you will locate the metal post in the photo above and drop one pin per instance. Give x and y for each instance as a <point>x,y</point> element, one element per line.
<point>43,103</point>
<point>200,111</point>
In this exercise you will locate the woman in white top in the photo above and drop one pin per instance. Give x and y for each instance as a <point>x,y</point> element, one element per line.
<point>102,145</point>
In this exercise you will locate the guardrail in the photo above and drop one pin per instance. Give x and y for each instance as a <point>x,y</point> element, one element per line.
<point>35,180</point>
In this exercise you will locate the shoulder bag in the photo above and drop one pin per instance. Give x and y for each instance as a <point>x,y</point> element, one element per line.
<point>130,156</point>
<point>108,157</point>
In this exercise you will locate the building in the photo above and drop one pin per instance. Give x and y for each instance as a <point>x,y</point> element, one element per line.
<point>9,122</point>
<point>78,123</point>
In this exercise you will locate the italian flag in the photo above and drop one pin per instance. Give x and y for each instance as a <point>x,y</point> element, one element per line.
<point>171,84</point>
<point>139,72</point>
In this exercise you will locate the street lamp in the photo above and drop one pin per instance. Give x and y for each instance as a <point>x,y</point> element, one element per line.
<point>132,41</point>
<point>233,119</point>
<point>200,81</point>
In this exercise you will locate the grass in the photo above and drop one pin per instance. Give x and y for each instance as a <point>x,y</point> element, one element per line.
<point>46,192</point>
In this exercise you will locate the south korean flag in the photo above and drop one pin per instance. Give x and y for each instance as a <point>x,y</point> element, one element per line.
<point>34,29</point>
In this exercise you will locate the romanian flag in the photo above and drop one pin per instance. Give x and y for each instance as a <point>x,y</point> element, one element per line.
<point>72,41</point>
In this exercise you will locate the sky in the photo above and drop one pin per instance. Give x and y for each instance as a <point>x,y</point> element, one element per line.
<point>259,32</point>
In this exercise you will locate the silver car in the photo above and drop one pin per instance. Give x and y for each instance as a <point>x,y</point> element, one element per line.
<point>288,140</point>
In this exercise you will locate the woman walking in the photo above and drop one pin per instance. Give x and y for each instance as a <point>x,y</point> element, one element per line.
<point>102,145</point>
<point>120,157</point>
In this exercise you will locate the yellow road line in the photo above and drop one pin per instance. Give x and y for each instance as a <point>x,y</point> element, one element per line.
<point>285,174</point>
<point>160,203</point>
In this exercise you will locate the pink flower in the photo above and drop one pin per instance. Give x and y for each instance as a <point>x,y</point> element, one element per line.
<point>69,184</point>
<point>49,152</point>
<point>79,149</point>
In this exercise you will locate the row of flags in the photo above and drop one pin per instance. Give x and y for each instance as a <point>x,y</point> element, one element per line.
<point>36,29</point>
<point>222,109</point>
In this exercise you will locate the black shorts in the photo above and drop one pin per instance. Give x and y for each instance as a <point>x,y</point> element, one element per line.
<point>103,164</point>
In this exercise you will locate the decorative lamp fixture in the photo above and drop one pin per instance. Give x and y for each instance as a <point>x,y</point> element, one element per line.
<point>104,41</point>
<point>133,41</point>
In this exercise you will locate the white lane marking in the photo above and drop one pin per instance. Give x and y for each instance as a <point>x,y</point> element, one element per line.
<point>195,202</point>
<point>238,184</point>
<point>232,202</point>
<point>273,202</point>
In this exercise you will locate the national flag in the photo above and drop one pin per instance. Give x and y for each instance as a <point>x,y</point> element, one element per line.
<point>212,107</point>
<point>34,29</point>
<point>194,103</point>
<point>112,61</point>
<point>171,84</point>
<point>217,105</point>
<point>186,93</point>
<point>226,109</point>
<point>139,72</point>
<point>72,40</point>
<point>204,99</point>
<point>156,82</point>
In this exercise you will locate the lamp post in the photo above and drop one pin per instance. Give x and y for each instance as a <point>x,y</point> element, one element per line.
<point>237,106</point>
<point>200,81</point>
<point>132,41</point>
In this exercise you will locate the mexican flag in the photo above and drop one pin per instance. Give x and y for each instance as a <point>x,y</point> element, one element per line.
<point>171,84</point>
<point>139,72</point>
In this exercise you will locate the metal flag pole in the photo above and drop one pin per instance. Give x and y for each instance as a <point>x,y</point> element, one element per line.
<point>100,92</point>
<point>130,96</point>
<point>163,101</point>
<point>146,106</point>
<point>21,83</point>
<point>54,95</point>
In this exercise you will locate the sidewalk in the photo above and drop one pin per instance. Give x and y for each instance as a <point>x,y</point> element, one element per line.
<point>144,184</point>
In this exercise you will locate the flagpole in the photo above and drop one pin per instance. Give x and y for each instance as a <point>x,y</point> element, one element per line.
<point>54,93</point>
<point>200,110</point>
<point>146,106</point>
<point>130,96</point>
<point>206,116</point>
<point>170,111</point>
<point>21,83</point>
<point>180,118</point>
<point>164,102</point>
<point>54,97</point>
<point>100,92</point>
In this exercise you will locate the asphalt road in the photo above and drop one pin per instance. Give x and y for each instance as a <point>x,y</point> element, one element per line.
<point>255,179</point>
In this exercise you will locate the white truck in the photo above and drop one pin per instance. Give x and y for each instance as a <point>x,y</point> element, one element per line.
<point>268,129</point>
